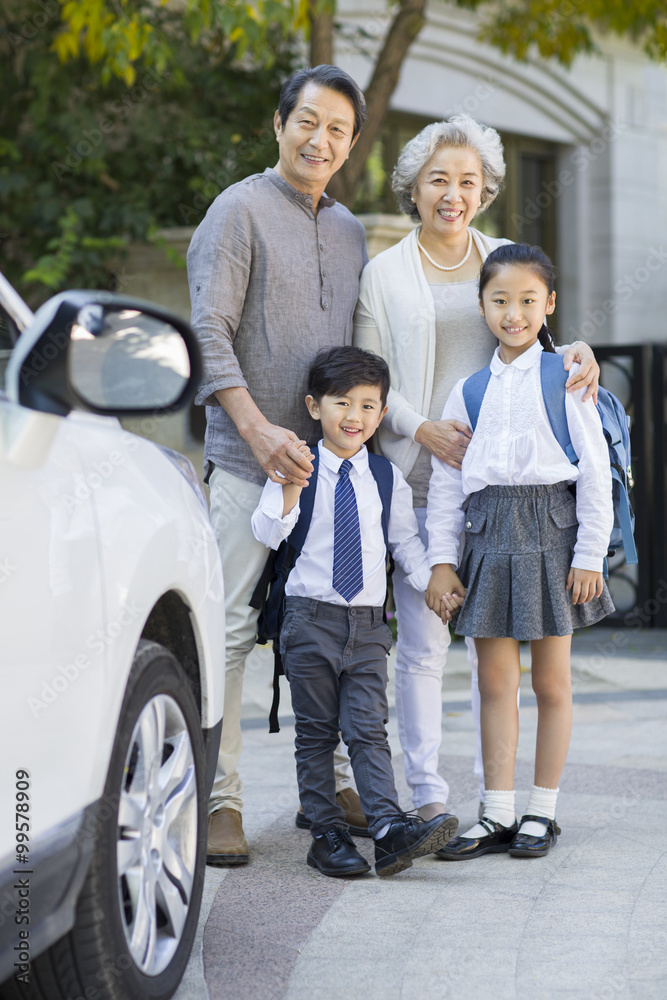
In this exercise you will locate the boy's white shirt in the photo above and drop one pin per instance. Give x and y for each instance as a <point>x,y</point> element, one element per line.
<point>313,571</point>
<point>513,444</point>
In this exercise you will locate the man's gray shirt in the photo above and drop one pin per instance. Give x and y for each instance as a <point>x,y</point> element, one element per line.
<point>270,284</point>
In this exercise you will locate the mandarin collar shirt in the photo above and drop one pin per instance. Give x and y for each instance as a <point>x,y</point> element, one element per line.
<point>513,444</point>
<point>271,283</point>
<point>312,575</point>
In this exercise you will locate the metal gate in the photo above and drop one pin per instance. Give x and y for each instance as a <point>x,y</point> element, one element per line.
<point>637,374</point>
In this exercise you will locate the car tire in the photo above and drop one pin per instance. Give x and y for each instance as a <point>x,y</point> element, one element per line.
<point>137,914</point>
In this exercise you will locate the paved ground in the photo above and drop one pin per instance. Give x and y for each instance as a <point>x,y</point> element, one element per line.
<point>585,923</point>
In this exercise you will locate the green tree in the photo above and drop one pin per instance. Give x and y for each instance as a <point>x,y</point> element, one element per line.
<point>563,29</point>
<point>121,116</point>
<point>90,162</point>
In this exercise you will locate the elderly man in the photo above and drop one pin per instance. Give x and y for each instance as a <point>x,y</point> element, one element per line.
<point>274,275</point>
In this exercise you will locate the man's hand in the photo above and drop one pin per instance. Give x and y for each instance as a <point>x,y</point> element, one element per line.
<point>445,592</point>
<point>585,585</point>
<point>589,372</point>
<point>280,453</point>
<point>446,439</point>
<point>276,449</point>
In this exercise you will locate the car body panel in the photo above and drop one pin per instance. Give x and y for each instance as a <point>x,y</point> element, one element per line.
<point>102,498</point>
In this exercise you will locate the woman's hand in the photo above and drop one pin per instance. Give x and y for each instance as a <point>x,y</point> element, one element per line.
<point>446,439</point>
<point>445,592</point>
<point>585,585</point>
<point>589,372</point>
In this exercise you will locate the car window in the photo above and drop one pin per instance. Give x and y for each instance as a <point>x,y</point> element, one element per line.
<point>9,334</point>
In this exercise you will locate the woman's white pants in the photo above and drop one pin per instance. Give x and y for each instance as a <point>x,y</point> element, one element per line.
<point>421,654</point>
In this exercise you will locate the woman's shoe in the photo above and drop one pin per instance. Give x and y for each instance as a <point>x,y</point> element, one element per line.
<point>525,846</point>
<point>496,841</point>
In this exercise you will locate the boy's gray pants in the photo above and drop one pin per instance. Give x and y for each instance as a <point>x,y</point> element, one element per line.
<point>335,658</point>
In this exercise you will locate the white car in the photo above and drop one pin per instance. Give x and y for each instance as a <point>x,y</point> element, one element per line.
<point>112,649</point>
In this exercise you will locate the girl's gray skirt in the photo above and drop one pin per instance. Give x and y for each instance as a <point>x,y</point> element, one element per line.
<point>518,551</point>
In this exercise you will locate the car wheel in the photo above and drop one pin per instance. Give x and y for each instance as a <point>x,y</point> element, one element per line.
<point>137,913</point>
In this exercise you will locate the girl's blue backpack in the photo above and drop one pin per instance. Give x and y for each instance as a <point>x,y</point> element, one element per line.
<point>616,429</point>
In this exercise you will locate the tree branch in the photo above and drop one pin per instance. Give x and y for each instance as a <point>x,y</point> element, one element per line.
<point>320,15</point>
<point>408,22</point>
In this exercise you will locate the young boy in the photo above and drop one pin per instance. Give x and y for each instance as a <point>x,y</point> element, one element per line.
<point>334,642</point>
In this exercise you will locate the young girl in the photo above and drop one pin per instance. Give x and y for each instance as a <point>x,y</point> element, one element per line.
<point>532,564</point>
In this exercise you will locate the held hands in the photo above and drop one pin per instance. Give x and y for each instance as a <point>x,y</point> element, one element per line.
<point>445,592</point>
<point>280,453</point>
<point>588,374</point>
<point>585,585</point>
<point>446,439</point>
<point>292,491</point>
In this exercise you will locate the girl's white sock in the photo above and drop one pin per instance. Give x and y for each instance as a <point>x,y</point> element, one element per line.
<point>498,806</point>
<point>542,802</point>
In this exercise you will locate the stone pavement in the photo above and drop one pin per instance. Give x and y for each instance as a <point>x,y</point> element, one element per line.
<point>585,923</point>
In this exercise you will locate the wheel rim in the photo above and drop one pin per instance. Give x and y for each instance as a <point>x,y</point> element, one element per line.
<point>157,834</point>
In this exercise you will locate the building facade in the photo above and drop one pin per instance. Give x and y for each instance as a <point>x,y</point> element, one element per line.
<point>586,152</point>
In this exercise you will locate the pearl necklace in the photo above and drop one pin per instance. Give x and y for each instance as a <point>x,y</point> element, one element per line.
<point>455,266</point>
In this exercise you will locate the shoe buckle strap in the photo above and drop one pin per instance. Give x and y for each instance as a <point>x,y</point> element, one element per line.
<point>542,819</point>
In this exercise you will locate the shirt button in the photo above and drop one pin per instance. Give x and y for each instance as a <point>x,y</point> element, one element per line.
<point>325,305</point>
<point>321,246</point>
<point>468,524</point>
<point>324,274</point>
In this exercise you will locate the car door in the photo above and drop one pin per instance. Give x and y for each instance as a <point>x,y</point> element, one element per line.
<point>52,616</point>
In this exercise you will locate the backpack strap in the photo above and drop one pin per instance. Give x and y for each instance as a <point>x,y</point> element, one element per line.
<point>473,393</point>
<point>553,378</point>
<point>306,501</point>
<point>278,566</point>
<point>625,518</point>
<point>383,475</point>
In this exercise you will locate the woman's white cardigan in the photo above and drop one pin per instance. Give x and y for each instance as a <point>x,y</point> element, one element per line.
<point>395,318</point>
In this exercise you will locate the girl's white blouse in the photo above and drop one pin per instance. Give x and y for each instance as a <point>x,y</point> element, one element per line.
<point>513,444</point>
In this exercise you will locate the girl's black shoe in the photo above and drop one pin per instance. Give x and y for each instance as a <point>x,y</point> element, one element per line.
<point>525,846</point>
<point>496,841</point>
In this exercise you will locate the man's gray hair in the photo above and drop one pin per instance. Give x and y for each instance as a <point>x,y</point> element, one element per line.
<point>461,132</point>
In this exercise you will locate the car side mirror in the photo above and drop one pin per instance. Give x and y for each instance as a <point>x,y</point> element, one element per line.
<point>106,354</point>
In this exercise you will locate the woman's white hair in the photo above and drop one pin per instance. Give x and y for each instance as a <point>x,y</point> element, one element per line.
<point>461,132</point>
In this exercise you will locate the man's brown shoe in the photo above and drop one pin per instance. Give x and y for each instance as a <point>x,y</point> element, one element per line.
<point>226,841</point>
<point>354,816</point>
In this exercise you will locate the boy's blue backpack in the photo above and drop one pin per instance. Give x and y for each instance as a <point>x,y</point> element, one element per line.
<point>615,426</point>
<point>269,595</point>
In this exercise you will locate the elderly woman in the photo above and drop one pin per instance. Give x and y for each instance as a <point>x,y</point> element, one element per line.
<point>418,308</point>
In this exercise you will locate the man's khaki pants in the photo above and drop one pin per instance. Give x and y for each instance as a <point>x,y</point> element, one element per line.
<point>233,501</point>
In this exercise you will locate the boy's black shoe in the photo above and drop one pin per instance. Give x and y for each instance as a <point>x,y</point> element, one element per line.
<point>496,841</point>
<point>335,854</point>
<point>525,846</point>
<point>412,837</point>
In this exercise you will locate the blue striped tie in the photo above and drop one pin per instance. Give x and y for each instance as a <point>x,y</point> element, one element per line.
<point>348,571</point>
